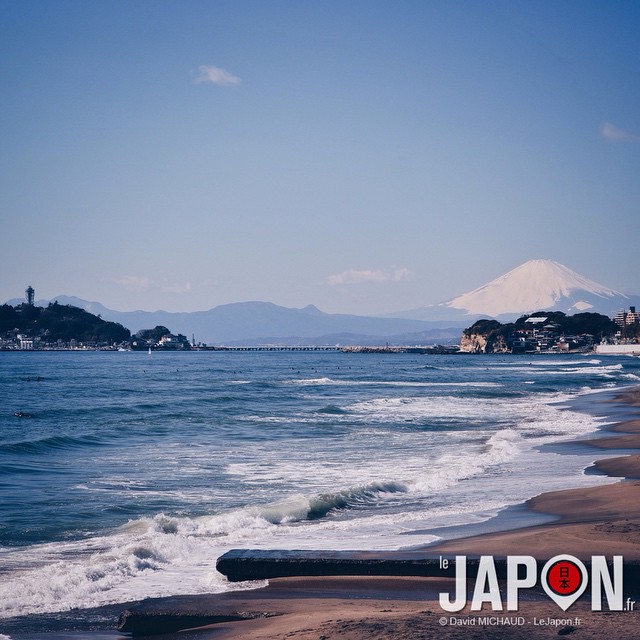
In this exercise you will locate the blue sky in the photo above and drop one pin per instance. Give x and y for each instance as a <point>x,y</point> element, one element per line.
<point>365,157</point>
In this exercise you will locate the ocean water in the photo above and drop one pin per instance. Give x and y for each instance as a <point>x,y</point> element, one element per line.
<point>127,474</point>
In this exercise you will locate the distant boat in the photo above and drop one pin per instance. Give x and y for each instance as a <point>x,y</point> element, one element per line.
<point>123,349</point>
<point>149,350</point>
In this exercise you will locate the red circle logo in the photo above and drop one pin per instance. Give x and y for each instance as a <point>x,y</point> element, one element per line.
<point>564,577</point>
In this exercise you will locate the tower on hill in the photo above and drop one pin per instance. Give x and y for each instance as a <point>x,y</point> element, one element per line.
<point>30,294</point>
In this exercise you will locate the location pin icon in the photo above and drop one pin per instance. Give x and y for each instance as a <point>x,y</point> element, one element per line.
<point>564,578</point>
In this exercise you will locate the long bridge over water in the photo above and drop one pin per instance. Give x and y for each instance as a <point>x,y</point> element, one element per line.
<point>344,349</point>
<point>275,348</point>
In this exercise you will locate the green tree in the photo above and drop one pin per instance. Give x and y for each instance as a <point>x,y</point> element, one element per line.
<point>153,334</point>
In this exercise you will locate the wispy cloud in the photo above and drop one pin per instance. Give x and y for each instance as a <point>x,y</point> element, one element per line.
<point>612,133</point>
<point>360,276</point>
<point>174,287</point>
<point>140,284</point>
<point>208,74</point>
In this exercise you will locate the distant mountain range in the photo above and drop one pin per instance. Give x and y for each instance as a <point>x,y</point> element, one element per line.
<point>267,323</point>
<point>536,285</point>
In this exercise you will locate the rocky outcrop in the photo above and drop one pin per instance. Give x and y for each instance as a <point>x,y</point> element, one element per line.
<point>479,343</point>
<point>473,343</point>
<point>485,336</point>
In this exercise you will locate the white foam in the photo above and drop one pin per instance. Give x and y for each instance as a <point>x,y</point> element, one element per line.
<point>564,363</point>
<point>391,383</point>
<point>606,369</point>
<point>556,367</point>
<point>141,559</point>
<point>306,381</point>
<point>463,409</point>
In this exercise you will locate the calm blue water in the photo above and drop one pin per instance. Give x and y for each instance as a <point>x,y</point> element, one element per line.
<point>129,474</point>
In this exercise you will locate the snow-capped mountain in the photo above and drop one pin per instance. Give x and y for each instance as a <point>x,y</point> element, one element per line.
<point>536,285</point>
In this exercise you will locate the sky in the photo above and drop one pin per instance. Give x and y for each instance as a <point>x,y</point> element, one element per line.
<point>363,156</point>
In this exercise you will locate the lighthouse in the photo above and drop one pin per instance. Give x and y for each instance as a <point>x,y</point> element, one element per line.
<point>30,293</point>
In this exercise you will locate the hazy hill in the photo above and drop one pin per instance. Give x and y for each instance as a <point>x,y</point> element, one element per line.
<point>265,322</point>
<point>60,322</point>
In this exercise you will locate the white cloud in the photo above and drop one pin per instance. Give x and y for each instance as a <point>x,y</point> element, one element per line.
<point>133,283</point>
<point>174,287</point>
<point>612,133</point>
<point>140,284</point>
<point>208,74</point>
<point>377,276</point>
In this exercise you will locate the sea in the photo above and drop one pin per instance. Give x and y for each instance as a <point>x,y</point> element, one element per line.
<point>125,475</point>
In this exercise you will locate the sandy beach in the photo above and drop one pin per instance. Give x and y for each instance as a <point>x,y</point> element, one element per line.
<point>602,520</point>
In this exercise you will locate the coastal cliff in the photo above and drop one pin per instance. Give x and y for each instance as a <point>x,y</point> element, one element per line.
<point>485,336</point>
<point>477,343</point>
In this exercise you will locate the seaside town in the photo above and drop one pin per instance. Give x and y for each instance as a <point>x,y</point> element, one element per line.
<point>60,327</point>
<point>27,327</point>
<point>556,332</point>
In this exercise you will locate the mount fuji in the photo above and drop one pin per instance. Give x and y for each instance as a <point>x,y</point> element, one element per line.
<point>536,285</point>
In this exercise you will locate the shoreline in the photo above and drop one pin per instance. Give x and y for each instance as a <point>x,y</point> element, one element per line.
<point>577,512</point>
<point>598,520</point>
